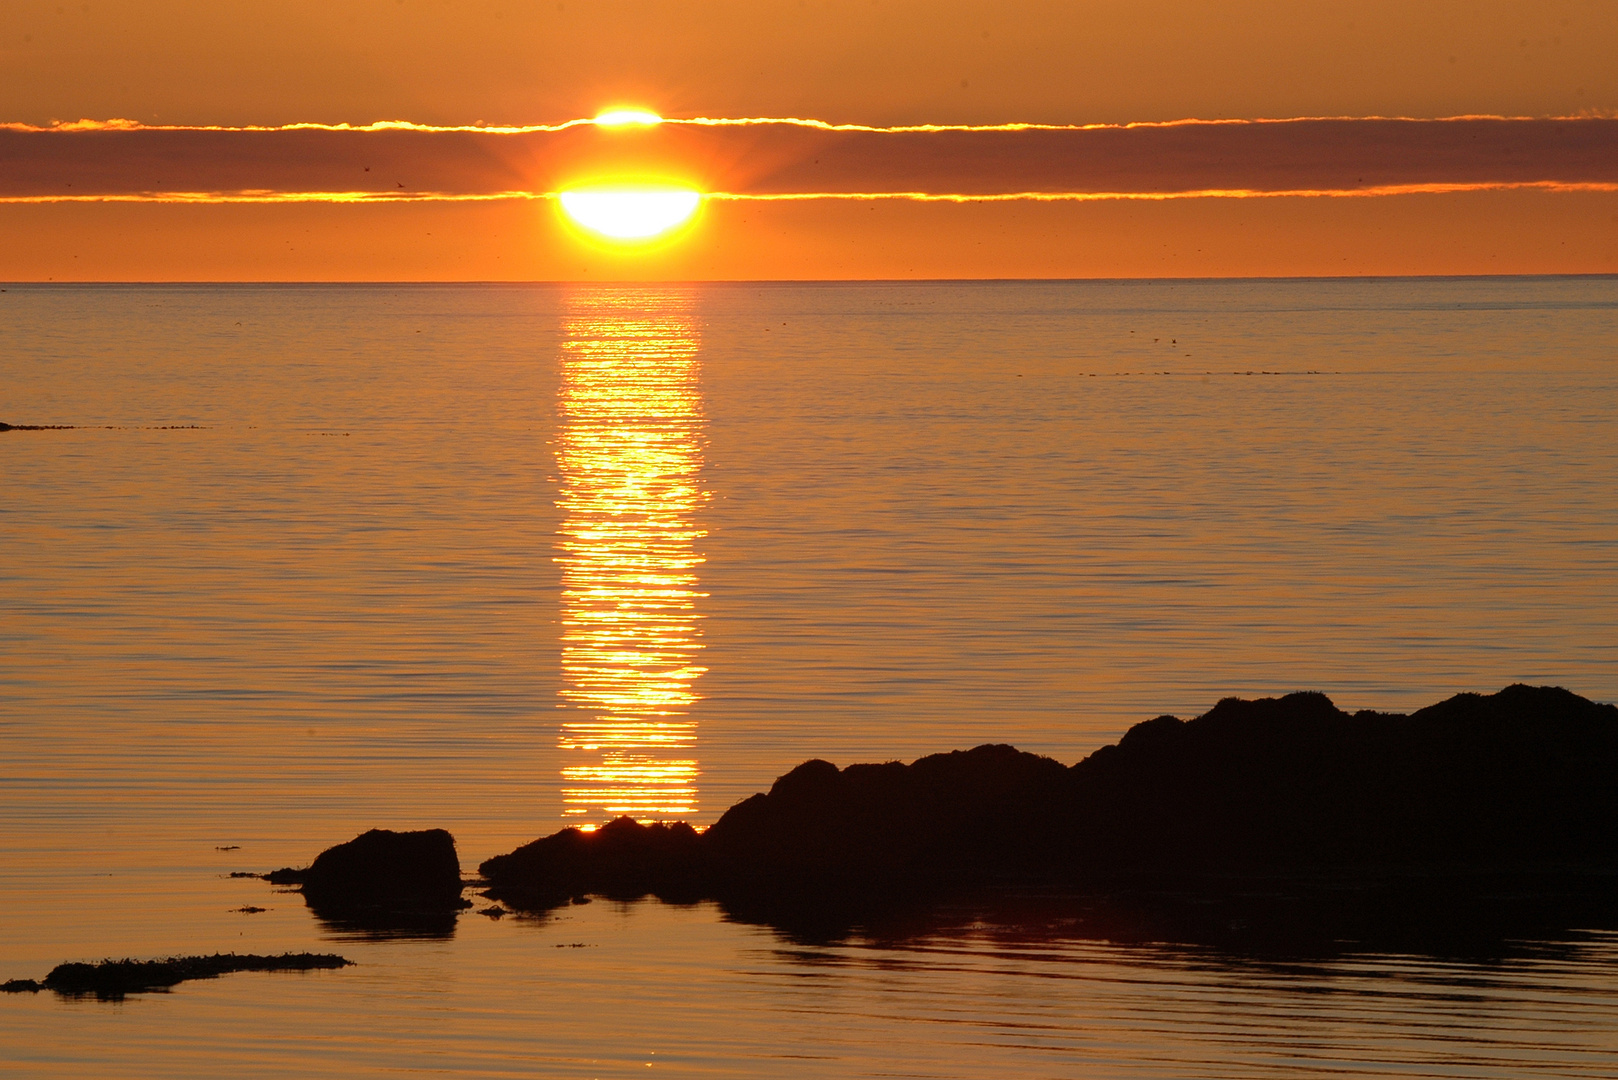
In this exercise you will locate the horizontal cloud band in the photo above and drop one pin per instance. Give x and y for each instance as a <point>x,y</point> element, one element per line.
<point>786,159</point>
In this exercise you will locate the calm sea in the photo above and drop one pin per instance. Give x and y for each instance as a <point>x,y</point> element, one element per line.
<point>311,559</point>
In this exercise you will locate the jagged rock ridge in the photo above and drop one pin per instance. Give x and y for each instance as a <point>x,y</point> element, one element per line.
<point>1511,781</point>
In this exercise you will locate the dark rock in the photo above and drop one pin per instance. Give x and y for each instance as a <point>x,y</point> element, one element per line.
<point>621,859</point>
<point>21,986</point>
<point>1509,794</point>
<point>110,980</point>
<point>960,817</point>
<point>384,867</point>
<point>1515,778</point>
<point>384,883</point>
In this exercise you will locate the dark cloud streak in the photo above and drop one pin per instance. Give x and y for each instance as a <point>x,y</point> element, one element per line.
<point>772,159</point>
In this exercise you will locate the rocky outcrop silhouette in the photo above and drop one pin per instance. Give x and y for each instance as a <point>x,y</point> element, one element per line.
<point>1491,794</point>
<point>384,882</point>
<point>1520,777</point>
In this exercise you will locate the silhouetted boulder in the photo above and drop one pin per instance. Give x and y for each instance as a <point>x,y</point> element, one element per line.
<point>622,858</point>
<point>391,883</point>
<point>963,816</point>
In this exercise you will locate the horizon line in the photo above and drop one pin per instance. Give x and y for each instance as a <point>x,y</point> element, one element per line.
<point>638,282</point>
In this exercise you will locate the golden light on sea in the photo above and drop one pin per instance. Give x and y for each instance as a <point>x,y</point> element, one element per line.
<point>629,457</point>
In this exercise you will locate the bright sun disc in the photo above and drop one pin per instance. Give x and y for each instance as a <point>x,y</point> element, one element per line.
<point>621,117</point>
<point>630,213</point>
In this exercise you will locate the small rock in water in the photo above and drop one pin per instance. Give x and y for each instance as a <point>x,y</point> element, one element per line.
<point>382,867</point>
<point>384,883</point>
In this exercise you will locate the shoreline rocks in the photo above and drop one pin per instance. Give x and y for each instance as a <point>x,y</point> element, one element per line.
<point>1280,818</point>
<point>1493,795</point>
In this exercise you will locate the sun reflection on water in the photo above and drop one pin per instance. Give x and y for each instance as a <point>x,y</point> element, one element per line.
<point>629,457</point>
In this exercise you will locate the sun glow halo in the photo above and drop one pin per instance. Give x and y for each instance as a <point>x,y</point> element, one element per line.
<point>630,213</point>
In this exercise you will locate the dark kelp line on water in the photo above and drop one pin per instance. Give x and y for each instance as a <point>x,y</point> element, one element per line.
<point>111,980</point>
<point>101,427</point>
<point>1282,822</point>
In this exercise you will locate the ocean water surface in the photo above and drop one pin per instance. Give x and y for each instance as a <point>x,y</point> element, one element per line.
<point>305,560</point>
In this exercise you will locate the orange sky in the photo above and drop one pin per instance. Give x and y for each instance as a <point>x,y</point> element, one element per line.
<point>878,63</point>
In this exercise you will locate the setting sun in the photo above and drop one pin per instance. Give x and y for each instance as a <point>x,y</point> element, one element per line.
<point>626,117</point>
<point>630,213</point>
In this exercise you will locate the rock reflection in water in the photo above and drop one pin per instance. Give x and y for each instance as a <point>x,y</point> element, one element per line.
<point>629,457</point>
